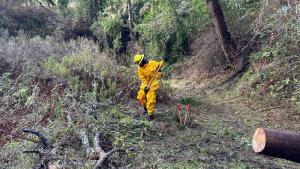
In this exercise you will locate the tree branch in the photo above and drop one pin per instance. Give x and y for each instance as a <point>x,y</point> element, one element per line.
<point>41,4</point>
<point>32,152</point>
<point>102,154</point>
<point>85,142</point>
<point>43,139</point>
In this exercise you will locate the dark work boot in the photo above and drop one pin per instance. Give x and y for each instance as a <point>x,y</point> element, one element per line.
<point>145,111</point>
<point>150,117</point>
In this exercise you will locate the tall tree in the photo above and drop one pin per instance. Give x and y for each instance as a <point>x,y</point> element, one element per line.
<point>129,4</point>
<point>228,46</point>
<point>97,4</point>
<point>130,20</point>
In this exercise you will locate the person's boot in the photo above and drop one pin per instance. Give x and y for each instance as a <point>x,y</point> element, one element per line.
<point>145,111</point>
<point>150,117</point>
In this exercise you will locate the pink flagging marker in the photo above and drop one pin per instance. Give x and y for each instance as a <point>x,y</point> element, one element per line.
<point>187,112</point>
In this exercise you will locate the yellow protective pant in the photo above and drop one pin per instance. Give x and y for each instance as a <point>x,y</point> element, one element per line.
<point>146,73</point>
<point>148,101</point>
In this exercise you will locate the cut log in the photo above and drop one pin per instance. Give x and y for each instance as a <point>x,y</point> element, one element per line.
<point>277,143</point>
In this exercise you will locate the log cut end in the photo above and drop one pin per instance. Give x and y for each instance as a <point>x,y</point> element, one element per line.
<point>259,140</point>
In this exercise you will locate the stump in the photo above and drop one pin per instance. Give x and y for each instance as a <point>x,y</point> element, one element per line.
<point>277,143</point>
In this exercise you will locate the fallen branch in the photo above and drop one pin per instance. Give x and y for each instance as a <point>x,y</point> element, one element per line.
<point>102,154</point>
<point>46,152</point>
<point>32,152</point>
<point>85,142</point>
<point>43,139</point>
<point>96,153</point>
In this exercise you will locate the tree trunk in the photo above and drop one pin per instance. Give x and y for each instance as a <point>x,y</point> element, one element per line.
<point>96,7</point>
<point>277,144</point>
<point>129,13</point>
<point>224,36</point>
<point>129,7</point>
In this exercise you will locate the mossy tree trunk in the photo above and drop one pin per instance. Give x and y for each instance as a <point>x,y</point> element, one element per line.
<point>228,46</point>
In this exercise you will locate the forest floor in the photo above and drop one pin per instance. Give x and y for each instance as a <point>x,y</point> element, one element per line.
<point>218,133</point>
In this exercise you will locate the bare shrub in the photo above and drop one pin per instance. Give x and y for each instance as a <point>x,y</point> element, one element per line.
<point>21,50</point>
<point>4,66</point>
<point>31,19</point>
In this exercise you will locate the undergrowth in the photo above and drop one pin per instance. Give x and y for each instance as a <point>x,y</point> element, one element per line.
<point>69,96</point>
<point>274,66</point>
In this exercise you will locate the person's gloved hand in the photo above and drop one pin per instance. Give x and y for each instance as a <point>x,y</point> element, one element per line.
<point>166,58</point>
<point>146,89</point>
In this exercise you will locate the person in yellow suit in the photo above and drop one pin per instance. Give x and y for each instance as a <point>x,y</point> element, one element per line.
<point>148,70</point>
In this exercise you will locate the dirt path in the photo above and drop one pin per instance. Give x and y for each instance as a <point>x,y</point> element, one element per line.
<point>218,134</point>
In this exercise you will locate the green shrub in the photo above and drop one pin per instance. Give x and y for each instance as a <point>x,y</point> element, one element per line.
<point>167,26</point>
<point>5,83</point>
<point>80,61</point>
<point>267,53</point>
<point>21,95</point>
<point>52,67</point>
<point>164,26</point>
<point>279,87</point>
<point>112,25</point>
<point>189,100</point>
<point>83,10</point>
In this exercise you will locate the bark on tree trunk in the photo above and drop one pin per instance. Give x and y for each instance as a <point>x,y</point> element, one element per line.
<point>228,46</point>
<point>96,6</point>
<point>277,144</point>
<point>129,7</point>
<point>129,13</point>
